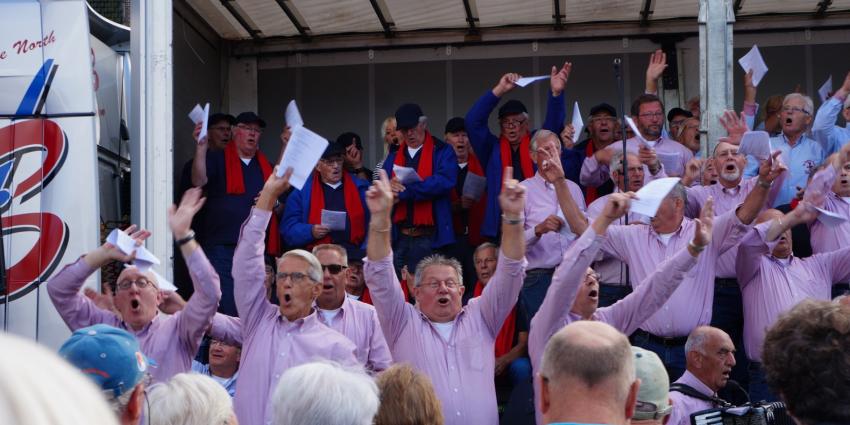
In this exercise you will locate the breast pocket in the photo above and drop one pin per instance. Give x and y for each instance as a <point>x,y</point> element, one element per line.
<point>473,352</point>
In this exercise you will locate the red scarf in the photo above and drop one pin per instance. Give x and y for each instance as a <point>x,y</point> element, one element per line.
<point>590,192</point>
<point>476,213</point>
<point>235,185</point>
<point>353,206</point>
<point>422,210</point>
<point>524,156</point>
<point>505,339</point>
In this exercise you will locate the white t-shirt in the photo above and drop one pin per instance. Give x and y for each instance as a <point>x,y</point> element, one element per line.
<point>245,160</point>
<point>665,238</point>
<point>334,185</point>
<point>329,315</point>
<point>412,151</point>
<point>444,329</point>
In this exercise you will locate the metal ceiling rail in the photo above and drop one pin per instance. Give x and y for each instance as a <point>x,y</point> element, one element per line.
<point>255,34</point>
<point>379,7</point>
<point>294,17</point>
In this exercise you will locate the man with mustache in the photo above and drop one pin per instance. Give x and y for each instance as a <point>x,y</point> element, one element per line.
<point>603,122</point>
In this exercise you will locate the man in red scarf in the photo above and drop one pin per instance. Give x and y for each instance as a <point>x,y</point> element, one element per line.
<point>232,179</point>
<point>329,189</point>
<point>422,216</point>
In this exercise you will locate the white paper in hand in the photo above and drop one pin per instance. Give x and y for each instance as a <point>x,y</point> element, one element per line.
<point>302,154</point>
<point>755,143</point>
<point>824,89</point>
<point>196,114</point>
<point>577,123</point>
<point>293,117</point>
<point>204,123</point>
<point>635,130</point>
<point>753,60</point>
<point>333,220</point>
<point>144,258</point>
<point>650,196</point>
<point>474,185</point>
<point>829,218</point>
<point>672,163</point>
<point>524,81</point>
<point>406,175</point>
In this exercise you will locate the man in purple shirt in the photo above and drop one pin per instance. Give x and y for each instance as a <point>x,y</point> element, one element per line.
<point>643,247</point>
<point>711,356</point>
<point>356,320</point>
<point>450,343</point>
<point>276,338</point>
<point>547,232</point>
<point>170,341</point>
<point>772,280</point>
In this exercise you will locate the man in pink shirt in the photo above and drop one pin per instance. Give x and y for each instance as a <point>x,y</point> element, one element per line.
<point>450,343</point>
<point>276,338</point>
<point>356,320</point>
<point>170,341</point>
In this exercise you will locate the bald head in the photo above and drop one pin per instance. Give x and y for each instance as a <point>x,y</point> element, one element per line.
<point>710,356</point>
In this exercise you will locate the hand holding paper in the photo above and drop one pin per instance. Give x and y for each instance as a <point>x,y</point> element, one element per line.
<point>333,220</point>
<point>406,175</point>
<point>303,150</point>
<point>824,89</point>
<point>755,143</point>
<point>524,81</point>
<point>753,60</point>
<point>474,186</point>
<point>577,123</point>
<point>635,130</point>
<point>201,116</point>
<point>126,244</point>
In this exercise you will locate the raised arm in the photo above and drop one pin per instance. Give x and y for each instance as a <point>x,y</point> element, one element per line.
<point>654,70</point>
<point>555,109</point>
<point>480,138</point>
<point>552,171</point>
<point>823,125</point>
<point>199,162</point>
<point>756,199</point>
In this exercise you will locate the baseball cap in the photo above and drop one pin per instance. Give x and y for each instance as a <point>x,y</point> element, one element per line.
<point>111,357</point>
<point>346,139</point>
<point>603,107</point>
<point>250,118</point>
<point>511,107</point>
<point>678,111</point>
<point>455,124</point>
<point>333,149</point>
<point>653,396</point>
<point>407,116</point>
<point>217,117</point>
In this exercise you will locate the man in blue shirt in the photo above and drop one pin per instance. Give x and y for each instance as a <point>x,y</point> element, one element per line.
<point>825,129</point>
<point>223,366</point>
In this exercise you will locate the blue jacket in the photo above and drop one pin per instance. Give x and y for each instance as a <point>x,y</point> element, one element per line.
<point>435,189</point>
<point>486,147</point>
<point>296,231</point>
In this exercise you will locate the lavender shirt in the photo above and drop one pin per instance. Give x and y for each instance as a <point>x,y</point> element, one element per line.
<point>684,405</point>
<point>272,344</point>
<point>546,251</point>
<point>643,250</point>
<point>170,341</point>
<point>611,270</point>
<point>823,237</point>
<point>769,287</point>
<point>594,174</point>
<point>358,321</point>
<point>461,369</point>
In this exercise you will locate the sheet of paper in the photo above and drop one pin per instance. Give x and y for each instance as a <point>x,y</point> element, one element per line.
<point>201,115</point>
<point>334,220</point>
<point>577,122</point>
<point>524,81</point>
<point>474,186</point>
<point>753,60</point>
<point>649,197</point>
<point>755,143</point>
<point>302,154</point>
<point>672,163</point>
<point>196,114</point>
<point>144,258</point>
<point>824,89</point>
<point>406,175</point>
<point>634,128</point>
<point>829,218</point>
<point>293,117</point>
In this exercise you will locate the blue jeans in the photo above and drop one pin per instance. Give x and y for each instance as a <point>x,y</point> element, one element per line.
<point>840,289</point>
<point>728,315</point>
<point>609,294</point>
<point>519,370</point>
<point>409,251</point>
<point>534,289</point>
<point>221,258</point>
<point>673,356</point>
<point>758,384</point>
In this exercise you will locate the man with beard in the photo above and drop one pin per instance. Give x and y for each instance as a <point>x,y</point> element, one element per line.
<point>510,148</point>
<point>603,121</point>
<point>170,341</point>
<point>824,128</point>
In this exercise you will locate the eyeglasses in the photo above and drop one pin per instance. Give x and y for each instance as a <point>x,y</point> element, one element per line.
<point>332,161</point>
<point>657,114</point>
<point>333,268</point>
<point>513,123</point>
<point>140,283</point>
<point>728,153</point>
<point>485,260</point>
<point>297,277</point>
<point>250,129</point>
<point>221,128</point>
<point>602,119</point>
<point>794,110</point>
<point>435,284</point>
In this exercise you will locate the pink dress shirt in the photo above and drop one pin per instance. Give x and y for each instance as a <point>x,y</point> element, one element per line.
<point>611,270</point>
<point>170,341</point>
<point>546,251</point>
<point>769,287</point>
<point>461,369</point>
<point>358,321</point>
<point>594,174</point>
<point>823,237</point>
<point>271,343</point>
<point>684,405</point>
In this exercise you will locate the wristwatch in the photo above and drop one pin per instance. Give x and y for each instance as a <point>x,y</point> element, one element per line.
<point>186,239</point>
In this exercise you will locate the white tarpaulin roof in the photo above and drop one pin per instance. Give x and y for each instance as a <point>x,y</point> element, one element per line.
<point>246,19</point>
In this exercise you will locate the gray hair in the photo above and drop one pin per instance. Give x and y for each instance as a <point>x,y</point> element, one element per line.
<point>697,339</point>
<point>189,399</point>
<point>437,260</point>
<point>483,246</point>
<point>119,404</point>
<point>315,270</point>
<point>332,247</point>
<point>680,192</point>
<point>324,393</point>
<point>847,102</point>
<point>539,135</point>
<point>616,163</point>
<point>809,105</point>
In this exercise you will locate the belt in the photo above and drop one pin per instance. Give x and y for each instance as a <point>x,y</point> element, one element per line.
<point>615,285</point>
<point>724,282</point>
<point>539,271</point>
<point>677,341</point>
<point>414,232</point>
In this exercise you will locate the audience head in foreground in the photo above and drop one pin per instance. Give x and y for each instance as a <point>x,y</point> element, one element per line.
<point>653,400</point>
<point>190,399</point>
<point>807,361</point>
<point>407,398</point>
<point>587,375</point>
<point>38,388</point>
<point>324,393</point>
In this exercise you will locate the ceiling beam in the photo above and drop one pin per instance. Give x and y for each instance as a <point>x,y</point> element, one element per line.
<point>379,7</point>
<point>255,34</point>
<point>471,16</point>
<point>294,17</point>
<point>823,5</point>
<point>739,4</point>
<point>645,12</point>
<point>559,18</point>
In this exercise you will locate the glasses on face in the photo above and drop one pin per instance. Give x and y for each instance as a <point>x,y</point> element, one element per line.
<point>256,130</point>
<point>140,283</point>
<point>435,284</point>
<point>333,268</point>
<point>296,277</point>
<point>657,114</point>
<point>482,261</point>
<point>676,123</point>
<point>603,119</point>
<point>727,153</point>
<point>221,128</point>
<point>513,123</point>
<point>794,110</point>
<point>332,161</point>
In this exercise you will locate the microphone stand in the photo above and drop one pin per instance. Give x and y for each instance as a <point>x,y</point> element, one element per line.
<point>621,93</point>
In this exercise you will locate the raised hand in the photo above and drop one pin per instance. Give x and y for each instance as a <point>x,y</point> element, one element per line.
<point>568,136</point>
<point>319,231</point>
<point>558,78</point>
<point>107,252</point>
<point>735,125</point>
<point>618,205</point>
<point>771,168</point>
<point>506,84</point>
<point>275,185</point>
<point>749,88</point>
<point>512,197</point>
<point>197,132</point>
<point>844,90</point>
<point>285,135</point>
<point>379,197</point>
<point>805,212</point>
<point>180,218</point>
<point>657,65</point>
<point>704,224</point>
<point>648,157</point>
<point>693,171</point>
<point>353,157</point>
<point>550,165</point>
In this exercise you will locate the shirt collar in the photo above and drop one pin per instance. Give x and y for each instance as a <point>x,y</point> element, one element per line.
<point>690,379</point>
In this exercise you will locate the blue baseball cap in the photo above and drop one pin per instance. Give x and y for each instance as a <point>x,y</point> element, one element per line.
<point>109,356</point>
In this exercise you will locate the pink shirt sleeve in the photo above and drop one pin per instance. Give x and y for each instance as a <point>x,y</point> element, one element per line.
<point>75,309</point>
<point>387,296</point>
<point>750,253</point>
<point>249,271</point>
<point>196,316</point>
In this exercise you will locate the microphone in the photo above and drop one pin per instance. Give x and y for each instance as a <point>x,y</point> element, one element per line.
<point>617,67</point>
